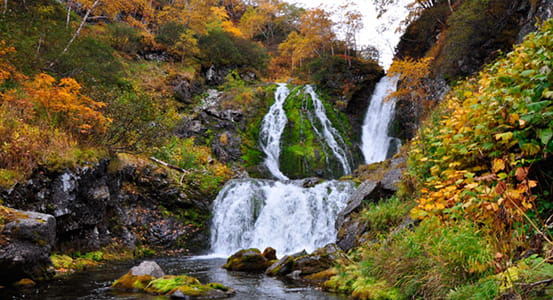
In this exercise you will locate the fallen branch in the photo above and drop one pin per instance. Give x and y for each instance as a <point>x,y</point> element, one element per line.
<point>531,285</point>
<point>168,165</point>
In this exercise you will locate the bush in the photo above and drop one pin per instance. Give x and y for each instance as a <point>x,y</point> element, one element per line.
<point>220,48</point>
<point>139,122</point>
<point>125,38</point>
<point>425,263</point>
<point>202,171</point>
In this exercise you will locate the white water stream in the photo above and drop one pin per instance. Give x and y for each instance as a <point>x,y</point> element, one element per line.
<point>272,126</point>
<point>375,141</point>
<point>328,133</point>
<point>286,216</point>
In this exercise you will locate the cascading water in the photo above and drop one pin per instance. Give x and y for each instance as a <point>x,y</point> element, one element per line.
<point>271,130</point>
<point>327,132</point>
<point>286,216</point>
<point>374,137</point>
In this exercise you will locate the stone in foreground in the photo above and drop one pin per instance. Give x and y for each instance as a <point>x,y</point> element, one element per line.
<point>144,278</point>
<point>26,241</point>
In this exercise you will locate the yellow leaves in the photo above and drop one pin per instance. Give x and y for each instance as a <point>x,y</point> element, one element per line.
<point>498,165</point>
<point>504,137</point>
<point>530,149</point>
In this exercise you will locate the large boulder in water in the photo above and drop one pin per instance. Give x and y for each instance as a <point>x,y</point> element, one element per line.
<point>251,260</point>
<point>303,264</point>
<point>26,243</point>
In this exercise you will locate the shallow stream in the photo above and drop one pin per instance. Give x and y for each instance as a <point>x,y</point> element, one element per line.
<point>94,284</point>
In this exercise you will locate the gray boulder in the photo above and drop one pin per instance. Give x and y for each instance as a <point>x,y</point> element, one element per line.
<point>26,243</point>
<point>148,267</point>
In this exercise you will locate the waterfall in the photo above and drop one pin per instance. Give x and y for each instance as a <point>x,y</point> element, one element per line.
<point>283,214</point>
<point>374,137</point>
<point>286,216</point>
<point>328,133</point>
<point>272,127</point>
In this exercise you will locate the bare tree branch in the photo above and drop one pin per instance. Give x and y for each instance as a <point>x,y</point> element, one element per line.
<point>78,31</point>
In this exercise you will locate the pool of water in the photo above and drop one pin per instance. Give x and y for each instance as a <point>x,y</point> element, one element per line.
<point>94,284</point>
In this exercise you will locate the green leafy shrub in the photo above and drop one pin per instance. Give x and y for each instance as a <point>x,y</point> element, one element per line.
<point>475,158</point>
<point>138,123</point>
<point>201,170</point>
<point>221,48</point>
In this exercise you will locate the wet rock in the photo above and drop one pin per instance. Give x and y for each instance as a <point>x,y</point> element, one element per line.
<point>383,183</point>
<point>392,177</point>
<point>362,192</point>
<point>147,267</point>
<point>350,231</point>
<point>143,278</point>
<point>26,243</point>
<point>282,267</point>
<point>251,260</point>
<point>303,264</point>
<point>269,253</point>
<point>311,182</point>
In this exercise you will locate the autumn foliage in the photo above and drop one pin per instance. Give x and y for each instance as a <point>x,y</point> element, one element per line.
<point>475,158</point>
<point>43,118</point>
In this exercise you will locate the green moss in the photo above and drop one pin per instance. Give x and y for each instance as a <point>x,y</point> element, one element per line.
<point>168,283</point>
<point>252,155</point>
<point>218,286</point>
<point>131,282</point>
<point>303,152</point>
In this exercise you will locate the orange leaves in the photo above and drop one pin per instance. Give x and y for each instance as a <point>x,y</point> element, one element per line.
<point>7,70</point>
<point>62,103</point>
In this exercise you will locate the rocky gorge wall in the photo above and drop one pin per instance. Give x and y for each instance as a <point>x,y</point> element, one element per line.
<point>87,208</point>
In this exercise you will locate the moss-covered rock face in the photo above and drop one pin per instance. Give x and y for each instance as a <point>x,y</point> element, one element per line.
<point>304,151</point>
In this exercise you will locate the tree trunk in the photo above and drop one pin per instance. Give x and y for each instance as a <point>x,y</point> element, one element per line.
<point>78,31</point>
<point>5,7</point>
<point>68,18</point>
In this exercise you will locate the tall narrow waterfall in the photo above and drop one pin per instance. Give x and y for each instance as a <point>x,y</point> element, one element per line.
<point>286,216</point>
<point>271,130</point>
<point>328,133</point>
<point>374,136</point>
